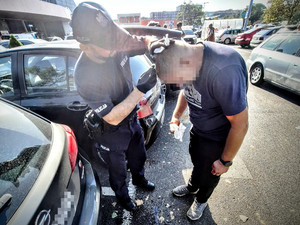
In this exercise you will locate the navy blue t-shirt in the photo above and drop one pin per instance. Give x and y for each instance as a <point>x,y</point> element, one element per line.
<point>104,85</point>
<point>219,90</point>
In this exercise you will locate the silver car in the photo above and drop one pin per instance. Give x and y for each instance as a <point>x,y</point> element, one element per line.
<point>277,60</point>
<point>262,35</point>
<point>227,36</point>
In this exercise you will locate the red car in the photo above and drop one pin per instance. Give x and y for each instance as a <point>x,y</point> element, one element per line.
<point>244,39</point>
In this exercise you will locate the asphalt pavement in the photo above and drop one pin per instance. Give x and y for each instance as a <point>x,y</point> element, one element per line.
<point>262,186</point>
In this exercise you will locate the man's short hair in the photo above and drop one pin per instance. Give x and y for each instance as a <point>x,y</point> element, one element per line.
<point>171,59</point>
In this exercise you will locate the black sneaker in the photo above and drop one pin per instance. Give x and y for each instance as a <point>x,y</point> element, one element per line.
<point>144,183</point>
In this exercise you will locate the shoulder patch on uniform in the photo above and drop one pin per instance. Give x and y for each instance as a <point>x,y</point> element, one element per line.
<point>101,108</point>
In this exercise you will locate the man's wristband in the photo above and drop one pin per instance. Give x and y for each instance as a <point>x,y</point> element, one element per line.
<point>226,163</point>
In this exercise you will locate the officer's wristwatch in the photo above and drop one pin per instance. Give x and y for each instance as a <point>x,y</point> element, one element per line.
<point>226,163</point>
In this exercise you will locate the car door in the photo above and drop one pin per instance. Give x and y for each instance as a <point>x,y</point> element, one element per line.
<point>9,85</point>
<point>290,48</point>
<point>275,61</point>
<point>48,88</point>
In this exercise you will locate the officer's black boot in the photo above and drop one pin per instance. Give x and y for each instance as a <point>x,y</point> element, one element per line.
<point>129,205</point>
<point>142,182</point>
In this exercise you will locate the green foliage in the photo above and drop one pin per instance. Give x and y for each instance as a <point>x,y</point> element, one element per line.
<point>190,14</point>
<point>13,42</point>
<point>283,10</point>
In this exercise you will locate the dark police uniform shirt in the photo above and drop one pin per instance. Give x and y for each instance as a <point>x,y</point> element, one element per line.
<point>219,90</point>
<point>105,85</point>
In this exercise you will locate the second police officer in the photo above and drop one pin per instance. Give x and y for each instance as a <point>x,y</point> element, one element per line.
<point>103,79</point>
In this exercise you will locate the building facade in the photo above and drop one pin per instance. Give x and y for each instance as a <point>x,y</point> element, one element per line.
<point>44,18</point>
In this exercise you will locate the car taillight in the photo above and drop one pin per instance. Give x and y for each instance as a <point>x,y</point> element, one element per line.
<point>145,109</point>
<point>72,146</point>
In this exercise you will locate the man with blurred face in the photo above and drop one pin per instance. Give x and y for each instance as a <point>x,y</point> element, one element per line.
<point>104,80</point>
<point>214,78</point>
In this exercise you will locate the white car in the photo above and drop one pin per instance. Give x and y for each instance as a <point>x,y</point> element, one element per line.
<point>227,36</point>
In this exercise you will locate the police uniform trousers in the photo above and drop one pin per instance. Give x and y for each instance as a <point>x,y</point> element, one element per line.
<point>126,143</point>
<point>204,152</point>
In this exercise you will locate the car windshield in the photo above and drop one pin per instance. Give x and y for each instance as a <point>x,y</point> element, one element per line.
<point>264,31</point>
<point>188,32</point>
<point>25,142</point>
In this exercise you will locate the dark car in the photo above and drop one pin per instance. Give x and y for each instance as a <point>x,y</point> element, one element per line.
<point>244,39</point>
<point>43,177</point>
<point>40,78</point>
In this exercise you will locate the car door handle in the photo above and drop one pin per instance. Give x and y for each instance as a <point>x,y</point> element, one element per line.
<point>77,106</point>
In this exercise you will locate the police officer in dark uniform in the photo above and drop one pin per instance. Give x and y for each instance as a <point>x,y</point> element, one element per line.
<point>103,78</point>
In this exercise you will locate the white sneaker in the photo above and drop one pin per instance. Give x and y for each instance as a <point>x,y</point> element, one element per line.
<point>196,210</point>
<point>182,190</point>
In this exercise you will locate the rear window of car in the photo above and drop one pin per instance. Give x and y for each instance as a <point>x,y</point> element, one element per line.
<point>25,143</point>
<point>188,32</point>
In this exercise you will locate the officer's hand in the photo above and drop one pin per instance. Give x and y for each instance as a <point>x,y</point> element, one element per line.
<point>147,80</point>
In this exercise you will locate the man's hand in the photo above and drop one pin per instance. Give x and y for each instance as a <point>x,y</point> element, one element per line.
<point>218,168</point>
<point>174,124</point>
<point>147,80</point>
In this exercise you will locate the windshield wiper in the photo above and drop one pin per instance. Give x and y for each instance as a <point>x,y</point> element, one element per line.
<point>5,201</point>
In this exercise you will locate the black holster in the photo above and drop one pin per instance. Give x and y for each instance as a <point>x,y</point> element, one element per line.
<point>93,123</point>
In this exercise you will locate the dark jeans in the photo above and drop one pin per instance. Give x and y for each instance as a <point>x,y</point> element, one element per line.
<point>127,143</point>
<point>203,154</point>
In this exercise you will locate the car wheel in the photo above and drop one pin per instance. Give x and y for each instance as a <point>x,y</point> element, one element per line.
<point>227,41</point>
<point>256,74</point>
<point>243,46</point>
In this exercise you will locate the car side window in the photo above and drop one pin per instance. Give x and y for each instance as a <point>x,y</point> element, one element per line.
<point>290,46</point>
<point>271,44</point>
<point>48,73</point>
<point>6,82</point>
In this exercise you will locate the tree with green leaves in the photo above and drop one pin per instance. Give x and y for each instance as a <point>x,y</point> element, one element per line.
<point>256,12</point>
<point>190,14</point>
<point>283,10</point>
<point>14,42</point>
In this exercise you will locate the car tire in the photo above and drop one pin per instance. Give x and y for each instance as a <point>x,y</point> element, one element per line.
<point>243,46</point>
<point>227,41</point>
<point>256,74</point>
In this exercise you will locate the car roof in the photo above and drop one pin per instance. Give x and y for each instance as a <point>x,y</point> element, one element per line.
<point>66,44</point>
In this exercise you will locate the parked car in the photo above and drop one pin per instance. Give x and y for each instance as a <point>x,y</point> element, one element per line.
<point>43,178</point>
<point>198,33</point>
<point>277,60</point>
<point>190,37</point>
<point>5,43</point>
<point>42,80</point>
<point>54,38</point>
<point>245,38</point>
<point>262,35</point>
<point>227,36</point>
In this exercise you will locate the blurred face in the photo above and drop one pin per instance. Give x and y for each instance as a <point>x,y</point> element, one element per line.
<point>96,53</point>
<point>179,64</point>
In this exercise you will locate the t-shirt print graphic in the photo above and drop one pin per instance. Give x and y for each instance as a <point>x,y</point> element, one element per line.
<point>192,96</point>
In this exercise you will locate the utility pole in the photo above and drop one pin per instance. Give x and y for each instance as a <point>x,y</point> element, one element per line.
<point>248,14</point>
